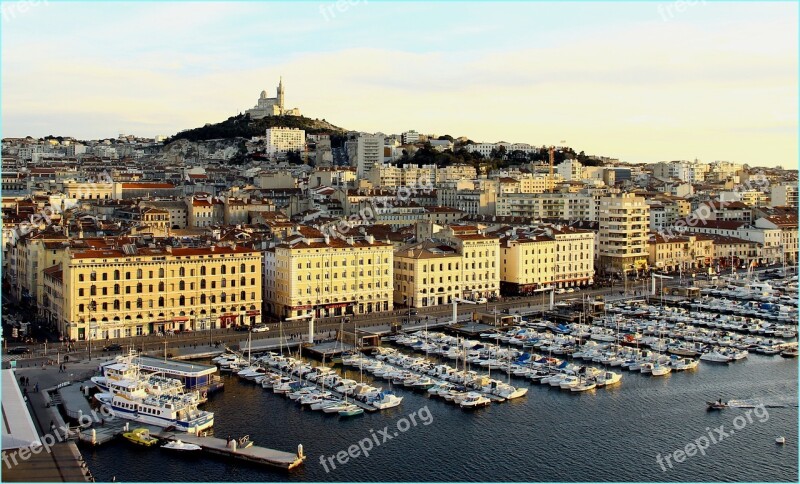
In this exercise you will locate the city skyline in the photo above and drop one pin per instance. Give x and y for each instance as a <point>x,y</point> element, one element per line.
<point>708,81</point>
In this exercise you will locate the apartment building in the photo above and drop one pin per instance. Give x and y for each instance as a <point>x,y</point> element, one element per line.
<point>132,291</point>
<point>623,233</point>
<point>328,276</point>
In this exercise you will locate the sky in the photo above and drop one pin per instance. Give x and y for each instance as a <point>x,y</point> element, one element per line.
<point>639,81</point>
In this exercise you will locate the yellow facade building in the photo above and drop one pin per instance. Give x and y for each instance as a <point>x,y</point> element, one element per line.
<point>427,273</point>
<point>131,291</point>
<point>308,273</point>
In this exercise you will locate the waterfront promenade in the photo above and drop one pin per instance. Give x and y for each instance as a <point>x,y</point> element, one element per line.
<point>63,463</point>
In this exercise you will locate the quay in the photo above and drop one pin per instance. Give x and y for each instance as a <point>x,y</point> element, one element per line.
<point>249,453</point>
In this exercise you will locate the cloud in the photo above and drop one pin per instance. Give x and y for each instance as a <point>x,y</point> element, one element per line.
<point>644,91</point>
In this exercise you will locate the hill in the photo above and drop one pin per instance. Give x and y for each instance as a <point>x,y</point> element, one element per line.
<point>241,126</point>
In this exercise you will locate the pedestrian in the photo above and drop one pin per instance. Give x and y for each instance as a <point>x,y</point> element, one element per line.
<point>36,388</point>
<point>22,381</point>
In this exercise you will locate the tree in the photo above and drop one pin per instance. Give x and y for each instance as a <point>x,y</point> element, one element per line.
<point>293,157</point>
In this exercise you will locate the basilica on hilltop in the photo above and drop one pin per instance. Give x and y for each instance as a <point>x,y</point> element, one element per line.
<point>271,106</point>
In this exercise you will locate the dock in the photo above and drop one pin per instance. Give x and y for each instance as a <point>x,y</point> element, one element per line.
<point>251,453</point>
<point>329,348</point>
<point>74,401</point>
<point>212,445</point>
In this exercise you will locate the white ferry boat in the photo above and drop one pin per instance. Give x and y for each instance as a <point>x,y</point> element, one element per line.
<point>151,398</point>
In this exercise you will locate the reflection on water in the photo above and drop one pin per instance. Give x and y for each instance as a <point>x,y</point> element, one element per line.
<point>548,435</point>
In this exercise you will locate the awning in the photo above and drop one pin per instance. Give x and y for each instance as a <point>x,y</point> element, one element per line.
<point>253,313</point>
<point>180,319</point>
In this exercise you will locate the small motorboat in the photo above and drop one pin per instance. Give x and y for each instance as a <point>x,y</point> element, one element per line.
<point>104,398</point>
<point>789,353</point>
<point>780,440</point>
<point>718,405</point>
<point>140,437</point>
<point>350,411</point>
<point>180,446</point>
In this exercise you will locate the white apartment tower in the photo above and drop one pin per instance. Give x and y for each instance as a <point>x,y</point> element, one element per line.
<point>281,140</point>
<point>623,233</point>
<point>369,152</point>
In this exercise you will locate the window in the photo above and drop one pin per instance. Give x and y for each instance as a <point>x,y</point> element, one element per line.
<point>80,308</point>
<point>223,269</point>
<point>182,300</point>
<point>127,275</point>
<point>202,283</point>
<point>202,270</point>
<point>161,302</point>
<point>80,292</point>
<point>243,281</point>
<point>116,304</point>
<point>161,286</point>
<point>161,273</point>
<point>243,296</point>
<point>116,275</point>
<point>93,290</point>
<point>182,286</point>
<point>116,288</point>
<point>139,303</point>
<point>202,298</point>
<point>138,273</point>
<point>182,272</point>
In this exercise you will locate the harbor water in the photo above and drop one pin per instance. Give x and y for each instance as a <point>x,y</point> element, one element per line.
<point>615,434</point>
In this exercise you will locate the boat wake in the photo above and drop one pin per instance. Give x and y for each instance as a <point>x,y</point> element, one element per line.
<point>753,403</point>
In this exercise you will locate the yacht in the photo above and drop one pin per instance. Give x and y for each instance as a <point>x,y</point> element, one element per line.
<point>608,378</point>
<point>387,400</point>
<point>584,386</point>
<point>715,357</point>
<point>474,400</point>
<point>660,370</point>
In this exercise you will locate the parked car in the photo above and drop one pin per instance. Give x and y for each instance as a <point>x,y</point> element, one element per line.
<point>482,300</point>
<point>19,350</point>
<point>260,329</point>
<point>112,347</point>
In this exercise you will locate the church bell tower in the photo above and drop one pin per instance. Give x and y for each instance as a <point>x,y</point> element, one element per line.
<point>280,94</point>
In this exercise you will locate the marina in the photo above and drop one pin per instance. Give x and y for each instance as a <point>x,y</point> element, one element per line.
<point>557,422</point>
<point>677,353</point>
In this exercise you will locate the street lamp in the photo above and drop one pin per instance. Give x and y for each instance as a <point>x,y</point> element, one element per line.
<point>92,307</point>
